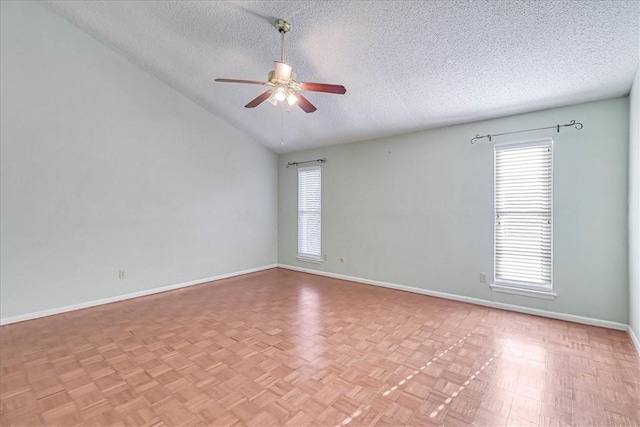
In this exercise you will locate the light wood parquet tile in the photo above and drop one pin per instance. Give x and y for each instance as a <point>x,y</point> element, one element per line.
<point>285,348</point>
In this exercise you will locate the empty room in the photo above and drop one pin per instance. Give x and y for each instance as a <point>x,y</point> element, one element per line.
<point>320,213</point>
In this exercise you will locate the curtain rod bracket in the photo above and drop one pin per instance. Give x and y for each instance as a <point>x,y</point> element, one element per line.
<point>322,160</point>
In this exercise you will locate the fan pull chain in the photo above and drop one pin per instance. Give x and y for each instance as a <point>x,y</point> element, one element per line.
<point>281,128</point>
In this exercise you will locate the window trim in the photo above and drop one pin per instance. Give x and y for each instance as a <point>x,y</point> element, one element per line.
<point>544,291</point>
<point>303,256</point>
<point>518,290</point>
<point>309,259</point>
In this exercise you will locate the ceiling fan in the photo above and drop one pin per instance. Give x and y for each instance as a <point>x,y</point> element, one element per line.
<point>283,82</point>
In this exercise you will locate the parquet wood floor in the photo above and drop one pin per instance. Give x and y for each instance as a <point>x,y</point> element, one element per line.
<point>286,348</point>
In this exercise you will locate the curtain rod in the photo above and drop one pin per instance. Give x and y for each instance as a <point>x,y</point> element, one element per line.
<point>573,123</point>
<point>322,160</point>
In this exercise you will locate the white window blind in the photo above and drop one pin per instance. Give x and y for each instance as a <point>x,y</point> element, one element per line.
<point>523,214</point>
<point>309,213</point>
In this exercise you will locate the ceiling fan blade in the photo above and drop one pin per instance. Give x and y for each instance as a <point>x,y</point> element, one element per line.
<point>305,104</point>
<point>323,87</point>
<point>253,82</point>
<point>259,100</point>
<point>282,70</point>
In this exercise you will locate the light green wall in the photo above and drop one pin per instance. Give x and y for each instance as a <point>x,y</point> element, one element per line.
<point>417,209</point>
<point>634,207</point>
<point>106,168</point>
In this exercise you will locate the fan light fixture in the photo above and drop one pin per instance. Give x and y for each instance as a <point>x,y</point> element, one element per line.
<point>291,98</point>
<point>280,94</point>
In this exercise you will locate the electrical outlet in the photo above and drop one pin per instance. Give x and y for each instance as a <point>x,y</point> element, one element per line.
<point>121,274</point>
<point>341,259</point>
<point>483,277</point>
<point>325,257</point>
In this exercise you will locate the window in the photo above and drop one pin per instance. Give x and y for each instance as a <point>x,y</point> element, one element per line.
<point>523,218</point>
<point>309,214</point>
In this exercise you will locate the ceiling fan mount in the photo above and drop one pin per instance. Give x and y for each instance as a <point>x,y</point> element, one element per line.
<point>283,82</point>
<point>283,26</point>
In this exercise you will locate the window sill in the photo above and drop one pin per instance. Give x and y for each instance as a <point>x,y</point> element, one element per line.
<point>308,259</point>
<point>543,294</point>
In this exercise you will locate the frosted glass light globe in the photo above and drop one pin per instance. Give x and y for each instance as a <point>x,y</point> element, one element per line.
<point>280,94</point>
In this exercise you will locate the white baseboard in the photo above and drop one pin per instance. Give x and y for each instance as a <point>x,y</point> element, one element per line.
<point>477,301</point>
<point>51,312</point>
<point>634,340</point>
<point>526,310</point>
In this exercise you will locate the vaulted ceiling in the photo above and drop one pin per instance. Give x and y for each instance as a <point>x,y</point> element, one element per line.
<point>407,65</point>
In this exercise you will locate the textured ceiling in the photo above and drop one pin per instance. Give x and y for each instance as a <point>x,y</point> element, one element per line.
<point>407,65</point>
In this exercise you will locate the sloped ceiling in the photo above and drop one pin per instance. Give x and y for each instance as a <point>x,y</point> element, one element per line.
<point>407,65</point>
